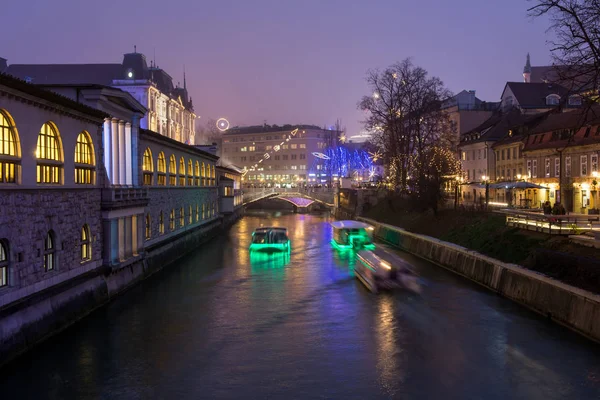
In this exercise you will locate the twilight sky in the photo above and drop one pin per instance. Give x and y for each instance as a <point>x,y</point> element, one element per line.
<point>284,61</point>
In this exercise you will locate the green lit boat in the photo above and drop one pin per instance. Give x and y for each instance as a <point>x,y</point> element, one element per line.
<point>353,235</point>
<point>270,239</point>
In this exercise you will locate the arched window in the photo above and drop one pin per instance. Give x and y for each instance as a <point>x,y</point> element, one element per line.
<point>9,149</point>
<point>197,212</point>
<point>190,172</point>
<point>3,263</point>
<point>552,100</point>
<point>86,244</point>
<point>203,172</point>
<point>161,223</point>
<point>161,170</point>
<point>172,170</point>
<point>197,173</point>
<point>213,175</point>
<point>85,172</point>
<point>181,217</point>
<point>147,167</point>
<point>49,252</point>
<point>172,220</point>
<point>148,227</point>
<point>214,207</point>
<point>203,211</point>
<point>181,172</point>
<point>49,155</point>
<point>191,216</point>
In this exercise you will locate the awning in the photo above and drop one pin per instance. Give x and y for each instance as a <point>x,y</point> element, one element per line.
<point>516,185</point>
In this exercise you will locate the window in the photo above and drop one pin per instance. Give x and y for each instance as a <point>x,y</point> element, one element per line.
<point>594,162</point>
<point>172,170</point>
<point>244,148</point>
<point>191,216</point>
<point>302,145</point>
<point>251,148</point>
<point>181,172</point>
<point>162,169</point>
<point>49,155</point>
<point>203,211</point>
<point>147,167</point>
<point>148,227</point>
<point>567,166</point>
<point>534,169</point>
<point>84,160</point>
<point>197,212</point>
<point>557,167</point>
<point>181,217</point>
<point>161,223</point>
<point>9,150</point>
<point>197,173</point>
<point>86,244</point>
<point>303,156</point>
<point>583,163</point>
<point>203,174</point>
<point>269,147</point>
<point>190,171</point>
<point>293,146</point>
<point>529,168</point>
<point>547,171</point>
<point>552,100</point>
<point>49,252</point>
<point>574,101</point>
<point>3,263</point>
<point>172,220</point>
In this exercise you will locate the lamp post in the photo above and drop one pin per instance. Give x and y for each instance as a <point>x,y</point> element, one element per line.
<point>486,179</point>
<point>456,186</point>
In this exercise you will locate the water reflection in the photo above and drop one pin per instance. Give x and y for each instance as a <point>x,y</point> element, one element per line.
<point>390,358</point>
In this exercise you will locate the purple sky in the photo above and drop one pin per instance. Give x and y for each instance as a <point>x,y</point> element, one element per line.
<point>284,61</point>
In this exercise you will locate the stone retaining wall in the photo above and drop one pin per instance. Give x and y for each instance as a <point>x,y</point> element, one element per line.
<point>567,305</point>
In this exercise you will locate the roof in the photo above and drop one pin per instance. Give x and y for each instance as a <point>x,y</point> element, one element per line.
<point>175,143</point>
<point>349,224</point>
<point>102,74</point>
<point>574,77</point>
<point>227,169</point>
<point>498,125</point>
<point>533,95</point>
<point>267,128</point>
<point>58,99</point>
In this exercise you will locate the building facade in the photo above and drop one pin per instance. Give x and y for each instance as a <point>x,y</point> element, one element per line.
<point>273,156</point>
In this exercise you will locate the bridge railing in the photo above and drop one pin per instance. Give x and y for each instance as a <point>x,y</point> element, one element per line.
<point>252,195</point>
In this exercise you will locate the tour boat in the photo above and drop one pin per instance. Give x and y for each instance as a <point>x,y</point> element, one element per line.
<point>381,270</point>
<point>352,235</point>
<point>270,239</point>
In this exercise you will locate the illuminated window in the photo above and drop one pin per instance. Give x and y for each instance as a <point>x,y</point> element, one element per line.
<point>9,150</point>
<point>49,156</point>
<point>161,223</point>
<point>86,244</point>
<point>49,252</point>
<point>197,173</point>
<point>172,171</point>
<point>181,172</point>
<point>213,208</point>
<point>190,172</point>
<point>197,212</point>
<point>147,167</point>
<point>84,160</point>
<point>181,217</point>
<point>191,216</point>
<point>203,174</point>
<point>148,227</point>
<point>203,211</point>
<point>3,263</point>
<point>172,220</point>
<point>161,170</point>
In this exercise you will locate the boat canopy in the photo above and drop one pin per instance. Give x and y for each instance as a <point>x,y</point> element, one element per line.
<point>349,224</point>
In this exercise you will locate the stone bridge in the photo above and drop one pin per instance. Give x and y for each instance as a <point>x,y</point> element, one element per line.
<point>301,200</point>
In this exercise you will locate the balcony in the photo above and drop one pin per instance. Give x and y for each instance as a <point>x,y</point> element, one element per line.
<point>124,197</point>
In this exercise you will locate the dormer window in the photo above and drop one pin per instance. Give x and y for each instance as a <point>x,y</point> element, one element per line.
<point>575,100</point>
<point>552,100</point>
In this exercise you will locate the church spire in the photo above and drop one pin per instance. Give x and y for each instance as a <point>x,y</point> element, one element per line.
<point>184,85</point>
<point>527,70</point>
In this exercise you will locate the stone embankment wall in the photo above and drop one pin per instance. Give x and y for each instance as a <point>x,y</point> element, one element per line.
<point>567,305</point>
<point>29,321</point>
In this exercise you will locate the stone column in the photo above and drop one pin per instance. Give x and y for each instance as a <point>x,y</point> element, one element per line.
<point>114,241</point>
<point>121,223</point>
<point>122,151</point>
<point>138,234</point>
<point>128,154</point>
<point>115,151</point>
<point>134,149</point>
<point>107,148</point>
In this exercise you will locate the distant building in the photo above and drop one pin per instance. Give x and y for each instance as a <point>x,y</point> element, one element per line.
<point>269,158</point>
<point>170,111</point>
<point>466,111</point>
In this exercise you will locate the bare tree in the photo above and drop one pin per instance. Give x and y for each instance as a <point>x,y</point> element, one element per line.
<point>208,133</point>
<point>405,115</point>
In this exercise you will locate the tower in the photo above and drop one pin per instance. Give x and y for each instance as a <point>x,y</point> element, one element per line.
<point>527,70</point>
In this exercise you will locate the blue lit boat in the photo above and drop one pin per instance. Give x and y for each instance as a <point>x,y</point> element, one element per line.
<point>352,235</point>
<point>270,239</point>
<point>379,270</point>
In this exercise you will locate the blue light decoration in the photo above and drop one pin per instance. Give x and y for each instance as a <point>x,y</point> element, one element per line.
<point>340,161</point>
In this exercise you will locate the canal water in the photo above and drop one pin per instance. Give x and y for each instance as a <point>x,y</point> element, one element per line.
<point>222,324</point>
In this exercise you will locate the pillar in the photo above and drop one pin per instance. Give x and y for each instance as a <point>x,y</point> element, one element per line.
<point>135,124</point>
<point>114,241</point>
<point>122,151</point>
<point>107,148</point>
<point>121,239</point>
<point>128,154</point>
<point>128,236</point>
<point>115,151</point>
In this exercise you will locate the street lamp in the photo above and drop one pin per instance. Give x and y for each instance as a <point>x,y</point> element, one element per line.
<point>486,180</point>
<point>457,184</point>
